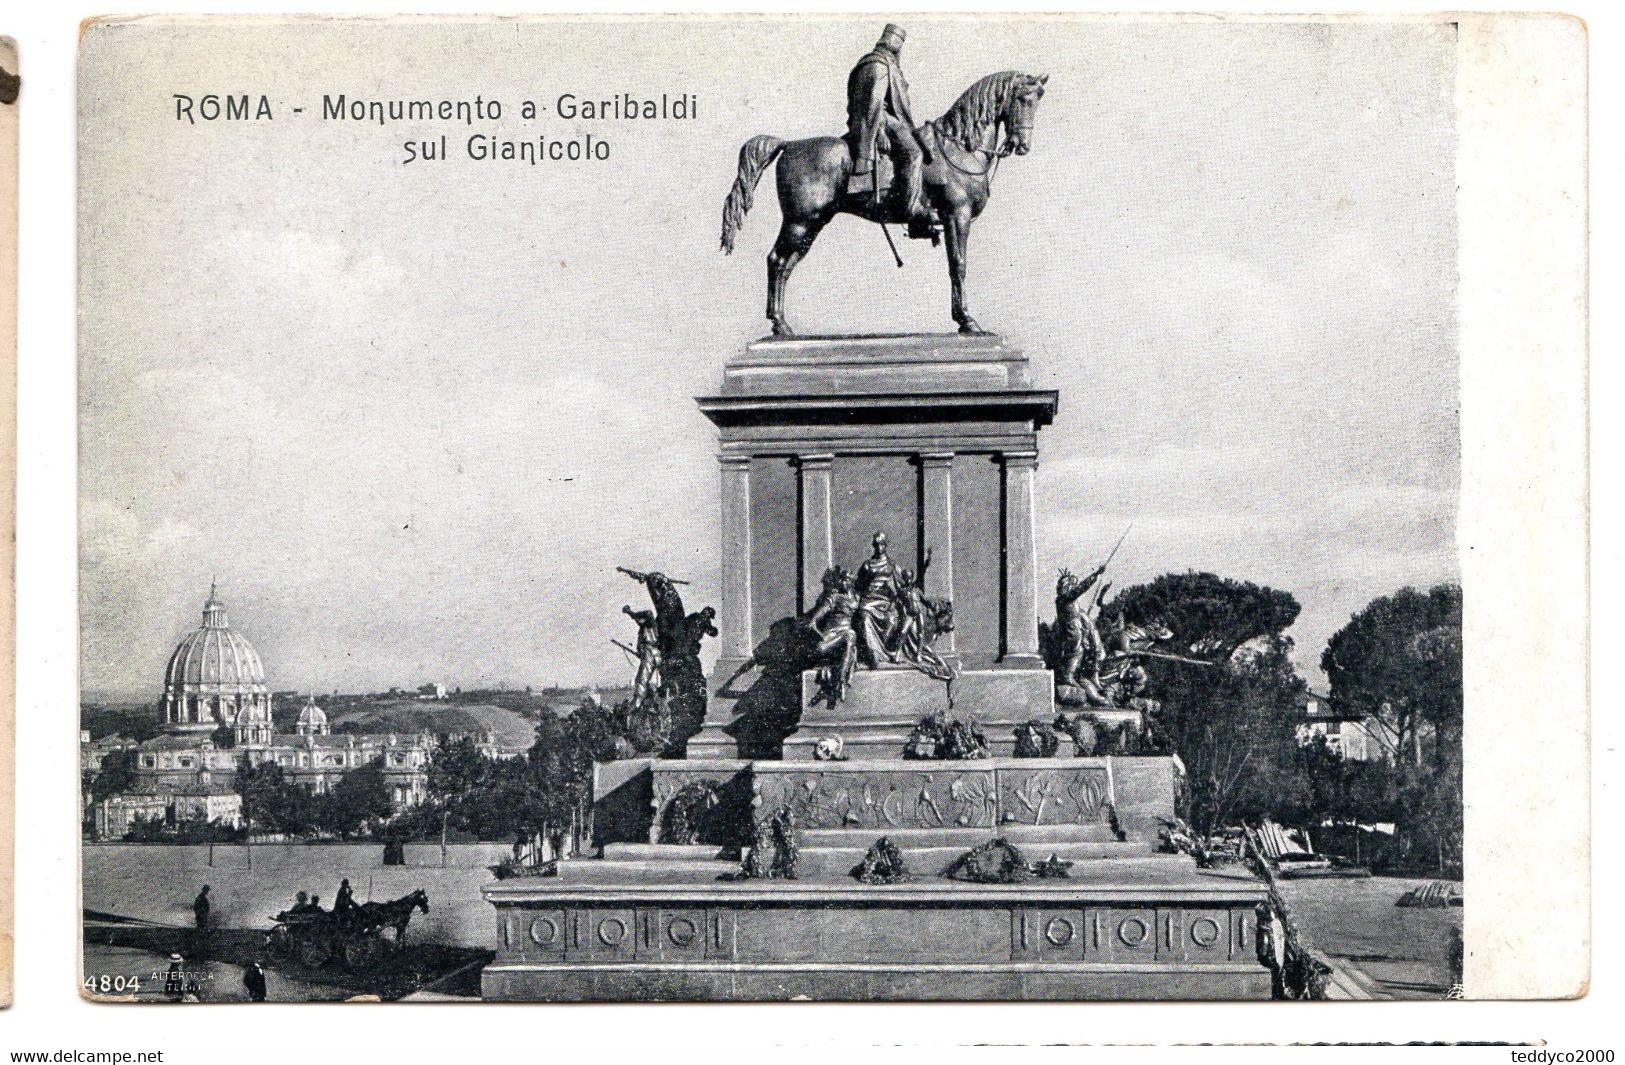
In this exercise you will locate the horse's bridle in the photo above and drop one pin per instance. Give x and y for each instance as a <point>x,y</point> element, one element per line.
<point>993,154</point>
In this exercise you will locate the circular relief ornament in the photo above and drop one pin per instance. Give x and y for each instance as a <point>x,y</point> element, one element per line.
<point>1059,931</point>
<point>611,931</point>
<point>544,931</point>
<point>681,931</point>
<point>1141,931</point>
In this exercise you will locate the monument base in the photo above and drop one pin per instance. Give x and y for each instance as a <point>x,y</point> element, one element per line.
<point>656,918</point>
<point>1150,928</point>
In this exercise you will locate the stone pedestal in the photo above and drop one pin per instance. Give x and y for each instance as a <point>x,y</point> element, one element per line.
<point>1173,936</point>
<point>662,920</point>
<point>932,439</point>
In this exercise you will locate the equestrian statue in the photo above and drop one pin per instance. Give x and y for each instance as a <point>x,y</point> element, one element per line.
<point>933,178</point>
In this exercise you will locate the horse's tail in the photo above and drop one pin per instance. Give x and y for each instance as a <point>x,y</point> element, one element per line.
<point>756,156</point>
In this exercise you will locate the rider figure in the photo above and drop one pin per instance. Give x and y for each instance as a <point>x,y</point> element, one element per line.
<point>878,118</point>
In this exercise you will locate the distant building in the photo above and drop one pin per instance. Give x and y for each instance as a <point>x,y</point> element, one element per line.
<point>432,691</point>
<point>93,752</point>
<point>208,802</point>
<point>1354,736</point>
<point>312,720</point>
<point>213,674</point>
<point>215,678</point>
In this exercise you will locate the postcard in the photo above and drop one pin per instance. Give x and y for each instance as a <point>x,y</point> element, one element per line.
<point>763,508</point>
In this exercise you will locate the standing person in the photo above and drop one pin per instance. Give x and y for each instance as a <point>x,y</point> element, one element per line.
<point>254,981</point>
<point>1081,651</point>
<point>201,908</point>
<point>346,898</point>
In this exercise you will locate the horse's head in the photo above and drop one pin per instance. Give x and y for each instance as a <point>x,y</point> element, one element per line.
<point>1008,99</point>
<point>1019,108</point>
<point>420,899</point>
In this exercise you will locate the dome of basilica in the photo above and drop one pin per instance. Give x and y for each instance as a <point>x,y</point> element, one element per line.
<point>312,720</point>
<point>213,676</point>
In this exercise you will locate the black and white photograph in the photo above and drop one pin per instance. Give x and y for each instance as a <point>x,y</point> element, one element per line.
<point>863,508</point>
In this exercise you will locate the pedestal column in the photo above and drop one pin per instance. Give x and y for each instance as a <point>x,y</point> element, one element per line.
<point>937,530</point>
<point>815,543</point>
<point>735,622</point>
<point>1019,631</point>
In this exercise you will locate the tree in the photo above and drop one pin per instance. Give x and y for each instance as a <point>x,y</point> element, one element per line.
<point>144,829</point>
<point>1399,661</point>
<point>360,796</point>
<point>1235,728</point>
<point>1234,722</point>
<point>271,804</point>
<point>102,721</point>
<point>1326,783</point>
<point>457,768</point>
<point>116,775</point>
<point>258,785</point>
<point>1212,617</point>
<point>544,794</point>
<point>224,737</point>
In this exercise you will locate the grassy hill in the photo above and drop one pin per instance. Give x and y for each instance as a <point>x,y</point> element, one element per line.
<point>406,717</point>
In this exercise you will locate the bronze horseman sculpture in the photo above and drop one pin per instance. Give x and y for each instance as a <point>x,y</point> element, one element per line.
<point>888,169</point>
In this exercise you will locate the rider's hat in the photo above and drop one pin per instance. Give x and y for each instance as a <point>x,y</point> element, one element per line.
<point>893,30</point>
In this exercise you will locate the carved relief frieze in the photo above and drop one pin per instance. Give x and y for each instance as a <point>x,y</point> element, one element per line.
<point>1053,796</point>
<point>882,799</point>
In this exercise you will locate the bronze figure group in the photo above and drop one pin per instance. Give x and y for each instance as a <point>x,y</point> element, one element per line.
<point>879,616</point>
<point>670,683</point>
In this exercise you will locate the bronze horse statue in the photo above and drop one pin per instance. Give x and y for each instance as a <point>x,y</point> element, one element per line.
<point>990,120</point>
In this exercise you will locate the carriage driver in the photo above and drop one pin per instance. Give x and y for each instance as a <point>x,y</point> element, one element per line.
<point>878,117</point>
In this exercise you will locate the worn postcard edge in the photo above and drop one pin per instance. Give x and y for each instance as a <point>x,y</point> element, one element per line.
<point>1523,528</point>
<point>8,510</point>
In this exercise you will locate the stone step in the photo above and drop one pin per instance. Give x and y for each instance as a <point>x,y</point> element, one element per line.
<point>932,860</point>
<point>677,852</point>
<point>642,870</point>
<point>833,863</point>
<point>1021,835</point>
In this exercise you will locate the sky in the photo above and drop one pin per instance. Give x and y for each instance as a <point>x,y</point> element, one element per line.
<point>411,416</point>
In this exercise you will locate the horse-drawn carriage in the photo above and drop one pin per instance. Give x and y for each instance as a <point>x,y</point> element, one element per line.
<point>361,935</point>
